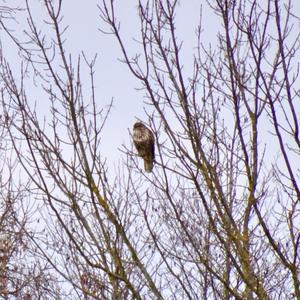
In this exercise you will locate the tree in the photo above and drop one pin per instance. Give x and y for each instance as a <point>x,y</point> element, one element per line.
<point>22,274</point>
<point>219,219</point>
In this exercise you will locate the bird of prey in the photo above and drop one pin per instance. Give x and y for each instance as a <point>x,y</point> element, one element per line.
<point>143,139</point>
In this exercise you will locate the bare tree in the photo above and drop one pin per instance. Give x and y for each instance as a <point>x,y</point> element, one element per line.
<point>231,113</point>
<point>22,275</point>
<point>219,217</point>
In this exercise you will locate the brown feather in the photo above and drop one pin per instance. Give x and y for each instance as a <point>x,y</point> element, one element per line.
<point>144,141</point>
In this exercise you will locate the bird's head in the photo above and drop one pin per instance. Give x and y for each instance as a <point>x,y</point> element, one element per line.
<point>138,125</point>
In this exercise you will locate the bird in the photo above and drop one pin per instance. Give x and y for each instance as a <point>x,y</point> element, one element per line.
<point>144,142</point>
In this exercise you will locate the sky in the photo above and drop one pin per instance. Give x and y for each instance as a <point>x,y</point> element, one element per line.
<point>113,78</point>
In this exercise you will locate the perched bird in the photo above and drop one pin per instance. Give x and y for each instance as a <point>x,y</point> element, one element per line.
<point>143,139</point>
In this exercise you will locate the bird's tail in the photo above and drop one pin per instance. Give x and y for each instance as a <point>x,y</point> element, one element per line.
<point>148,165</point>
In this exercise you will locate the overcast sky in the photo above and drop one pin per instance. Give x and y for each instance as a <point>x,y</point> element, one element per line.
<point>113,78</point>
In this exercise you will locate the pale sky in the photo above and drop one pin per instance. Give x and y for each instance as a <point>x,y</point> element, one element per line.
<point>113,79</point>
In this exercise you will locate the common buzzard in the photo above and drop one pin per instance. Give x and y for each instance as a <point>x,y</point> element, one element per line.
<point>143,139</point>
